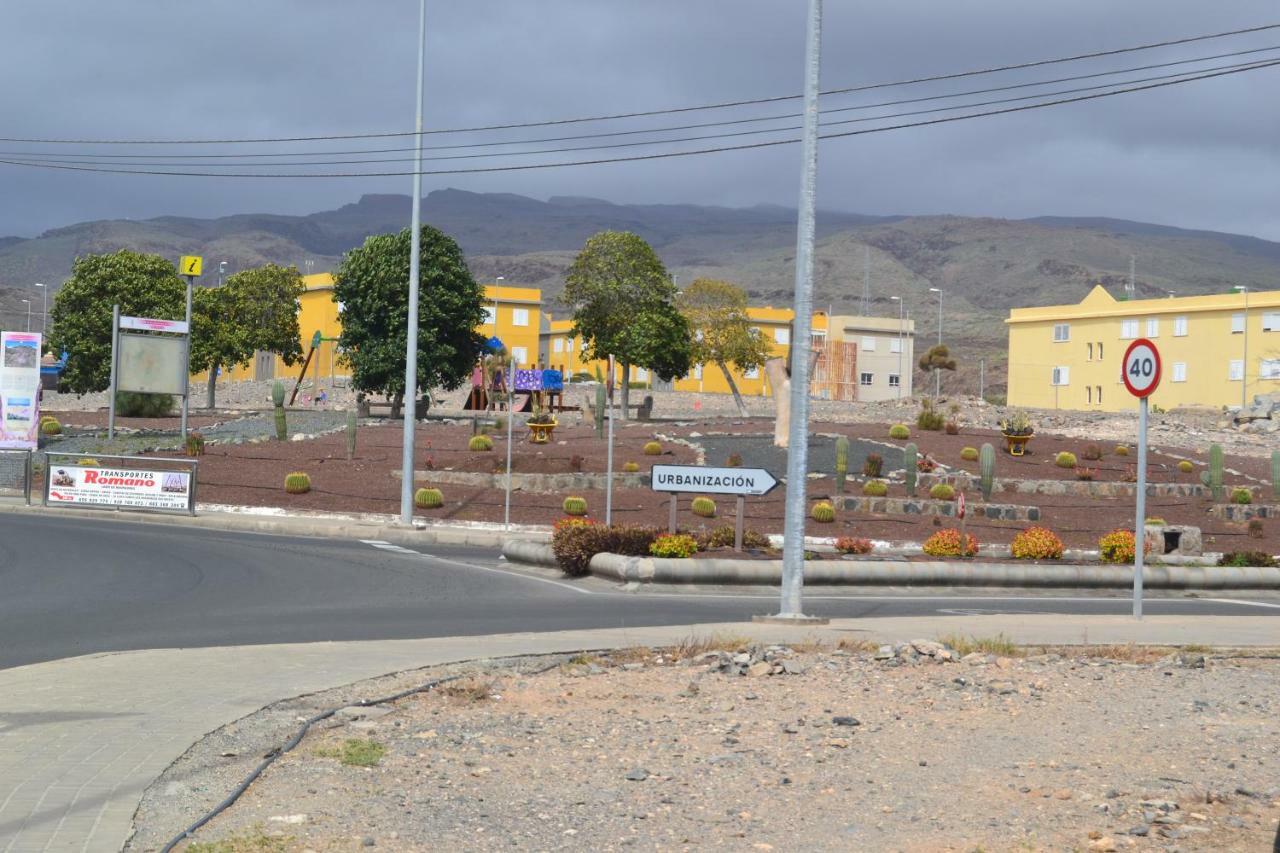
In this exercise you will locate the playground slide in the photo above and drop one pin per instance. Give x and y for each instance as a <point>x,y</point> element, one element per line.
<point>523,402</point>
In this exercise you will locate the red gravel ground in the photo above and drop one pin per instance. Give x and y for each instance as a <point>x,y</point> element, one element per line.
<point>253,474</point>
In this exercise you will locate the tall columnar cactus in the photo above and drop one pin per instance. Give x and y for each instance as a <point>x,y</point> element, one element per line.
<point>910,456</point>
<point>842,463</point>
<point>601,402</point>
<point>1275,473</point>
<point>277,399</point>
<point>1215,471</point>
<point>352,422</point>
<point>987,470</point>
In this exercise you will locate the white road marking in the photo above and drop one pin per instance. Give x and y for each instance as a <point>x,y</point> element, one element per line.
<point>1244,603</point>
<point>396,549</point>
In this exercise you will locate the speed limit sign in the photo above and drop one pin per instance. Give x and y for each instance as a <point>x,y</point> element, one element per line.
<point>1141,368</point>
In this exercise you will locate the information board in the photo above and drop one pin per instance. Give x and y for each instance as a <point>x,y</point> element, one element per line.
<point>152,364</point>
<point>19,390</point>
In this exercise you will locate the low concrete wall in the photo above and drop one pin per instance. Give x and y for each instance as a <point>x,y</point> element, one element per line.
<point>1244,512</point>
<point>535,483</point>
<point>729,571</point>
<point>926,506</point>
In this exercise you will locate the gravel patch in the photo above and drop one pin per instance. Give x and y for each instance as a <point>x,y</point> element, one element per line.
<point>907,747</point>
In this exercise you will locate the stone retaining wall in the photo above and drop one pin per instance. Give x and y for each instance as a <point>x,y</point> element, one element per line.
<point>925,506</point>
<point>1244,512</point>
<point>1080,488</point>
<point>549,484</point>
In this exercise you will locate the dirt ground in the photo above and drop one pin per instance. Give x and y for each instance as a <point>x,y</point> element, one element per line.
<point>751,748</point>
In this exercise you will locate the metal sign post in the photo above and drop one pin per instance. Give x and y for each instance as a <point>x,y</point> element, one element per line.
<point>111,391</point>
<point>1141,376</point>
<point>511,417</point>
<point>608,475</point>
<point>192,267</point>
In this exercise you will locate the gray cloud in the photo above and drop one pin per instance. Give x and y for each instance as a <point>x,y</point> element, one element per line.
<point>1202,155</point>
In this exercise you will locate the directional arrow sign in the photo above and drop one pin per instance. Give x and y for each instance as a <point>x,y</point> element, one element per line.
<point>720,481</point>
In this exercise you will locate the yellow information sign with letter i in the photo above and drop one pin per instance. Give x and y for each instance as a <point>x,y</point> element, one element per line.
<point>191,265</point>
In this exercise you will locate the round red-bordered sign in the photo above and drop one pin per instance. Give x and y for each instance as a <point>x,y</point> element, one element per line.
<point>1140,368</point>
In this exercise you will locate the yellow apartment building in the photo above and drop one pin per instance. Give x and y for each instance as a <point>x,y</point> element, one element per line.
<point>1215,350</point>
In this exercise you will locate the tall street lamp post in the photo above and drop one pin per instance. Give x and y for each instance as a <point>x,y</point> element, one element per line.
<point>1244,363</point>
<point>44,311</point>
<point>937,374</point>
<point>28,301</point>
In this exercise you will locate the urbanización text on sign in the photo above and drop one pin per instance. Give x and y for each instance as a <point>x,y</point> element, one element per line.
<point>720,481</point>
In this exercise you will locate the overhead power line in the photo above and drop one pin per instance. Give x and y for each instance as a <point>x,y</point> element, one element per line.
<point>648,113</point>
<point>659,155</point>
<point>95,160</point>
<point>72,157</point>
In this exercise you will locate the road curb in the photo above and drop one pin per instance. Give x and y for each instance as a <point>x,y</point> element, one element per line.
<point>731,572</point>
<point>316,525</point>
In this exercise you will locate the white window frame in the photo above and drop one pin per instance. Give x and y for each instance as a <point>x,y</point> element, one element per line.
<point>568,344</point>
<point>1179,371</point>
<point>1237,323</point>
<point>1153,327</point>
<point>1180,326</point>
<point>490,315</point>
<point>1269,368</point>
<point>895,345</point>
<point>782,337</point>
<point>519,356</point>
<point>868,343</point>
<point>519,316</point>
<point>1061,376</point>
<point>865,379</point>
<point>1128,329</point>
<point>1271,321</point>
<point>895,381</point>
<point>1061,332</point>
<point>697,371</point>
<point>1235,370</point>
<point>751,373</point>
<point>557,345</point>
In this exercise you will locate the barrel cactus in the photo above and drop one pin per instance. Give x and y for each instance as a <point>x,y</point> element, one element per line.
<point>428,498</point>
<point>50,426</point>
<point>653,448</point>
<point>630,467</point>
<point>969,454</point>
<point>1186,467</point>
<point>480,443</point>
<point>875,488</point>
<point>987,470</point>
<point>823,512</point>
<point>910,457</point>
<point>704,507</point>
<point>297,483</point>
<point>842,463</point>
<point>1241,496</point>
<point>575,505</point>
<point>899,431</point>
<point>1215,471</point>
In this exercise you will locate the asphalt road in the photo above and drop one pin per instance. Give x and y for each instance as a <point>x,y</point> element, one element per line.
<point>70,586</point>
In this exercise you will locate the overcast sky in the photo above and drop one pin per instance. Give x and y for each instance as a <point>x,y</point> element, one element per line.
<point>1203,155</point>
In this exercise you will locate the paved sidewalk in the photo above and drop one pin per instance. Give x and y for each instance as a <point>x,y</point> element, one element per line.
<point>82,738</point>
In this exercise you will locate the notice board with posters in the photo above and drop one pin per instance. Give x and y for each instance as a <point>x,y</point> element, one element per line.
<point>152,364</point>
<point>19,390</point>
<point>118,487</point>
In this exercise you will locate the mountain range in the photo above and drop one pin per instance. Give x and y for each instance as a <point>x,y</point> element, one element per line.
<point>983,266</point>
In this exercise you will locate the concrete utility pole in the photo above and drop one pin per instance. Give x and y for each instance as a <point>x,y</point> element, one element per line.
<point>28,301</point>
<point>798,438</point>
<point>44,312</point>
<point>415,260</point>
<point>866,281</point>
<point>898,299</point>
<point>1244,363</point>
<point>937,374</point>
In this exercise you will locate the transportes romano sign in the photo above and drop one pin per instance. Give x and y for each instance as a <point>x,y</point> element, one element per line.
<point>78,484</point>
<point>719,481</point>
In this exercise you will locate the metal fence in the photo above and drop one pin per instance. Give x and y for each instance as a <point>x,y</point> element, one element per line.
<point>65,480</point>
<point>15,474</point>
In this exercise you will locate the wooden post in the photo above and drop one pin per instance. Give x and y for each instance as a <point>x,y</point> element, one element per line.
<point>738,523</point>
<point>671,523</point>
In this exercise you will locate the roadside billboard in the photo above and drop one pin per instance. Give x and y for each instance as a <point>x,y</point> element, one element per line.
<point>19,390</point>
<point>129,488</point>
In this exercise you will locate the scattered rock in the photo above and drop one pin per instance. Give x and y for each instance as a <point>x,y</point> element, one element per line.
<point>637,775</point>
<point>846,721</point>
<point>292,819</point>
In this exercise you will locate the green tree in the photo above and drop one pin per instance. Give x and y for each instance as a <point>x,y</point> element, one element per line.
<point>256,309</point>
<point>937,358</point>
<point>142,285</point>
<point>372,288</point>
<point>623,305</point>
<point>722,332</point>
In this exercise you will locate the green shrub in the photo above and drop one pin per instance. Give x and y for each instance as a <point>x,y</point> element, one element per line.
<point>653,448</point>
<point>1242,559</point>
<point>1256,529</point>
<point>428,498</point>
<point>1065,459</point>
<point>1186,467</point>
<point>356,752</point>
<point>194,444</point>
<point>722,537</point>
<point>873,465</point>
<point>1118,547</point>
<point>575,542</point>
<point>297,483</point>
<point>480,443</point>
<point>875,488</point>
<point>630,467</point>
<point>575,505</point>
<point>929,418</point>
<point>1036,543</point>
<point>704,507</point>
<point>823,512</point>
<point>900,432</point>
<point>942,492</point>
<point>854,545</point>
<point>969,454</point>
<point>1154,521</point>
<point>734,460</point>
<point>674,545</point>
<point>88,462</point>
<point>1241,496</point>
<point>130,404</point>
<point>947,543</point>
